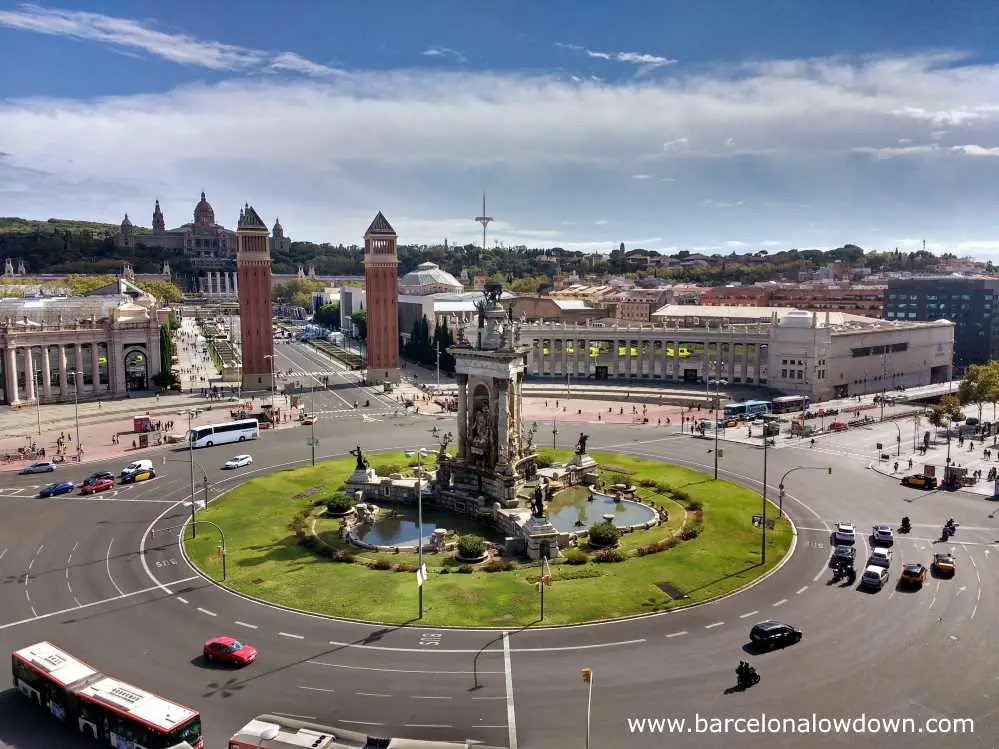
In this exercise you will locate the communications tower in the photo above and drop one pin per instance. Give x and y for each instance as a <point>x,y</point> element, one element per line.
<point>484,219</point>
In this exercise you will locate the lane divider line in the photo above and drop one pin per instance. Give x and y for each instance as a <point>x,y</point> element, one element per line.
<point>749,614</point>
<point>399,670</point>
<point>182,600</point>
<point>781,602</point>
<point>371,694</point>
<point>292,635</point>
<point>360,723</point>
<point>801,590</point>
<point>712,626</point>
<point>511,715</point>
<point>206,611</point>
<point>430,697</point>
<point>676,634</point>
<point>317,689</point>
<point>428,725</point>
<point>107,564</point>
<point>246,624</point>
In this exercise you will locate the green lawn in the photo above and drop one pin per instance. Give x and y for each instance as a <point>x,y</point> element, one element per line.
<point>264,559</point>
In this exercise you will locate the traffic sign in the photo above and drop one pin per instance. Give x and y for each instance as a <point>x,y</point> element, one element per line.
<point>757,520</point>
<point>421,575</point>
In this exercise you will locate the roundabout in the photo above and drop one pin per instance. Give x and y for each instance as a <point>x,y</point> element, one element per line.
<point>105,578</point>
<point>706,548</point>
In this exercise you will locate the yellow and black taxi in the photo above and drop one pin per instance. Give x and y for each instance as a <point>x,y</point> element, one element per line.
<point>913,575</point>
<point>944,563</point>
<point>920,481</point>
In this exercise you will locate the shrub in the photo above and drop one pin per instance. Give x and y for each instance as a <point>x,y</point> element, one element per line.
<point>381,564</point>
<point>603,534</point>
<point>681,496</point>
<point>344,555</point>
<point>663,488</point>
<point>471,547</point>
<point>445,571</point>
<point>694,505</point>
<point>648,483</point>
<point>404,567</point>
<point>576,556</point>
<point>688,534</point>
<point>324,549</point>
<point>385,470</point>
<point>466,569</point>
<point>608,556</point>
<point>339,503</point>
<point>497,565</point>
<point>618,478</point>
<point>544,461</point>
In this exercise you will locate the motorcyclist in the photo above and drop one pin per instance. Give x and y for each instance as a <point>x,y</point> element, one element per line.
<point>811,442</point>
<point>905,523</point>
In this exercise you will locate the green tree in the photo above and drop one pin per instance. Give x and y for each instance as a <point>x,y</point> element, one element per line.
<point>328,316</point>
<point>165,291</point>
<point>165,378</point>
<point>946,411</point>
<point>360,320</point>
<point>980,385</point>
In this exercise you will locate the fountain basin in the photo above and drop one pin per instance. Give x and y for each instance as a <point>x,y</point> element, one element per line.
<point>573,510</point>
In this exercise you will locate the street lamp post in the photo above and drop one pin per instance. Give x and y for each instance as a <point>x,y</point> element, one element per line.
<point>780,503</point>
<point>763,498</point>
<point>421,577</point>
<point>588,679</point>
<point>898,439</point>
<point>437,349</point>
<point>38,396</point>
<point>273,383</point>
<point>76,409</point>
<point>190,453</point>
<point>554,432</point>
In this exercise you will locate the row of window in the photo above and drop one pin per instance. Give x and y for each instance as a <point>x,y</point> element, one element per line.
<point>879,350</point>
<point>933,297</point>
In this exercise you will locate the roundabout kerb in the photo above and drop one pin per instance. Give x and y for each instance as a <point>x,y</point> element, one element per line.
<point>666,568</point>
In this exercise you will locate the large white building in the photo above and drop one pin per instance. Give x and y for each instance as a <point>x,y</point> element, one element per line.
<point>821,354</point>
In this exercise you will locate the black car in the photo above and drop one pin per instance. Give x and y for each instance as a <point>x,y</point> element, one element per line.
<point>773,634</point>
<point>842,556</point>
<point>97,476</point>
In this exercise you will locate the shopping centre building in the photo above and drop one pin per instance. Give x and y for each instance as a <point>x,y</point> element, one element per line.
<point>819,354</point>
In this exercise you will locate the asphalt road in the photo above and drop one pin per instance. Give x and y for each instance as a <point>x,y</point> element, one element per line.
<point>87,574</point>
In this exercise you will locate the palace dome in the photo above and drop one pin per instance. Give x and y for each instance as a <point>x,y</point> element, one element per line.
<point>429,278</point>
<point>204,215</point>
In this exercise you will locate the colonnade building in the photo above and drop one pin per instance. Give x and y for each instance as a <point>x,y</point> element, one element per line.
<point>55,349</point>
<point>822,355</point>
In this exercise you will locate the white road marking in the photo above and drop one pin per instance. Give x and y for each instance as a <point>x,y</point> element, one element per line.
<point>358,722</point>
<point>935,591</point>
<point>294,715</point>
<point>387,649</point>
<point>781,602</point>
<point>317,689</point>
<point>39,549</point>
<point>974,611</point>
<point>245,624</point>
<point>712,626</point>
<point>77,600</point>
<point>67,573</point>
<point>3,552</point>
<point>428,725</point>
<point>819,574</point>
<point>107,562</point>
<point>430,697</point>
<point>972,560</point>
<point>292,636</point>
<point>801,590</point>
<point>398,670</point>
<point>677,634</point>
<point>511,715</point>
<point>30,565</point>
<point>206,611</point>
<point>69,587</point>
<point>490,726</point>
<point>490,698</point>
<point>961,589</point>
<point>182,600</point>
<point>371,694</point>
<point>749,614</point>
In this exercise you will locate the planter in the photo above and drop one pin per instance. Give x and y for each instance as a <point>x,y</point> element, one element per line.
<point>479,560</point>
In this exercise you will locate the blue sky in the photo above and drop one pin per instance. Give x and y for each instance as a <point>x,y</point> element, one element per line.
<point>727,125</point>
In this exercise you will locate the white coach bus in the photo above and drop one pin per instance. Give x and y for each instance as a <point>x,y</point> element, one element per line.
<point>221,434</point>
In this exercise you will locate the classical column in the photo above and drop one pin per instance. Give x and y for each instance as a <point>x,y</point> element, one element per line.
<point>731,361</point>
<point>235,284</point>
<point>29,375</point>
<point>79,364</point>
<point>63,377</point>
<point>95,367</point>
<point>676,359</point>
<point>585,371</point>
<point>462,414</point>
<point>228,283</point>
<point>756,358</point>
<point>502,423</point>
<point>616,358</point>
<point>10,383</point>
<point>118,383</point>
<point>663,363</point>
<point>551,356</point>
<point>652,359</point>
<point>565,356</point>
<point>628,371</point>
<point>704,359</point>
<point>46,373</point>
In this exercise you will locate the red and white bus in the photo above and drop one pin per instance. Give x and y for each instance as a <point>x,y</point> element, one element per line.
<point>100,706</point>
<point>276,732</point>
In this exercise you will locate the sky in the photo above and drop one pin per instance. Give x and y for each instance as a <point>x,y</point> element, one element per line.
<point>721,125</point>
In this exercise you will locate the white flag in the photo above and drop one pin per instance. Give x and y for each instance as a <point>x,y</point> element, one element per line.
<point>421,575</point>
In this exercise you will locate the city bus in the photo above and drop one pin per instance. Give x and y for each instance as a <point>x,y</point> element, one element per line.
<point>99,706</point>
<point>788,403</point>
<point>747,409</point>
<point>220,434</point>
<point>276,732</point>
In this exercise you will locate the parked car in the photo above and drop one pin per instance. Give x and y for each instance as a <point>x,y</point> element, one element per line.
<point>920,481</point>
<point>874,577</point>
<point>227,649</point>
<point>45,466</point>
<point>773,634</point>
<point>880,557</point>
<point>98,485</point>
<point>54,490</point>
<point>845,533</point>
<point>913,575</point>
<point>882,535</point>
<point>97,476</point>
<point>837,426</point>
<point>238,461</point>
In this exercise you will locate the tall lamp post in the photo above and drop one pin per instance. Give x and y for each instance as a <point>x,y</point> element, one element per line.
<point>76,408</point>
<point>190,454</point>
<point>437,350</point>
<point>554,431</point>
<point>588,680</point>
<point>763,499</point>
<point>38,395</point>
<point>898,439</point>
<point>421,575</point>
<point>780,505</point>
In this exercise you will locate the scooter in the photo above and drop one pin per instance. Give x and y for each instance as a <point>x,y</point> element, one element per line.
<point>748,678</point>
<point>905,527</point>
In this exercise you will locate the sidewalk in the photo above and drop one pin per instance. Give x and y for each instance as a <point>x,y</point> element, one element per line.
<point>961,457</point>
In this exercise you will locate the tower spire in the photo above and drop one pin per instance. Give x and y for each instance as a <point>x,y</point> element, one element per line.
<point>484,219</point>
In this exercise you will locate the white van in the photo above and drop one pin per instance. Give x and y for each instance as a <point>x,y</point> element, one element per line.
<point>133,469</point>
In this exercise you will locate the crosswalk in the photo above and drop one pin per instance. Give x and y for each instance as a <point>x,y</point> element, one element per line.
<point>318,373</point>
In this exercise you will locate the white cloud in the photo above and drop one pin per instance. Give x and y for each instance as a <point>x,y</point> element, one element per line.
<point>421,143</point>
<point>298,64</point>
<point>444,52</point>
<point>641,176</point>
<point>124,34</point>
<point>736,244</point>
<point>646,62</point>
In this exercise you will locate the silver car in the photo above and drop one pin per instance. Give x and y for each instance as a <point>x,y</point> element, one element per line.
<point>882,535</point>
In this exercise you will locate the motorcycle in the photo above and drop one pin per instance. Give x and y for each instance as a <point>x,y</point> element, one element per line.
<point>905,527</point>
<point>747,677</point>
<point>946,533</point>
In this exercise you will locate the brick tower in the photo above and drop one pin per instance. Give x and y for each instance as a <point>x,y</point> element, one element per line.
<point>381,290</point>
<point>253,260</point>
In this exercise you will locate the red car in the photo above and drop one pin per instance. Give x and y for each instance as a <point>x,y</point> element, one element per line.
<point>99,485</point>
<point>227,649</point>
<point>308,421</point>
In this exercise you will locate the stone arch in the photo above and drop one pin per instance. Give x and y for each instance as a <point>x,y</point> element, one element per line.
<point>135,363</point>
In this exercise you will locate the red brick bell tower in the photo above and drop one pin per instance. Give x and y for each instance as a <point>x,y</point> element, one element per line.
<point>381,291</point>
<point>253,261</point>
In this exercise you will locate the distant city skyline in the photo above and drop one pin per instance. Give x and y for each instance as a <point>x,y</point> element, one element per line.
<point>757,125</point>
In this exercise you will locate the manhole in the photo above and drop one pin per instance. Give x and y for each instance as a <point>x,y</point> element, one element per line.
<point>671,590</point>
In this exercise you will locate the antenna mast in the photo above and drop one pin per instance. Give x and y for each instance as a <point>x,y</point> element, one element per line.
<point>484,219</point>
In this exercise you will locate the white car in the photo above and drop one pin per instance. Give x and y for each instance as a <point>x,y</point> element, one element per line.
<point>882,535</point>
<point>238,462</point>
<point>874,577</point>
<point>880,558</point>
<point>845,533</point>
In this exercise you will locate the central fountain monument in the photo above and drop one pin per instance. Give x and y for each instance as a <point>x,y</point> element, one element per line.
<point>495,458</point>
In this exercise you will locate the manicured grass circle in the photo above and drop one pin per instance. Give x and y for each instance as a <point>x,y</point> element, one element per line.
<point>266,561</point>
